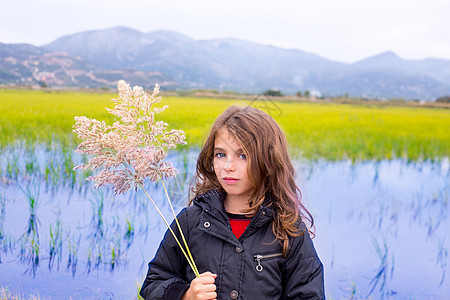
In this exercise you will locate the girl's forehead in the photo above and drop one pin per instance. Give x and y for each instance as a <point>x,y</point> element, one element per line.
<point>224,139</point>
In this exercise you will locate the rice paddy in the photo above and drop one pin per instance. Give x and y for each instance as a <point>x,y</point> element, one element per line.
<point>375,178</point>
<point>314,130</point>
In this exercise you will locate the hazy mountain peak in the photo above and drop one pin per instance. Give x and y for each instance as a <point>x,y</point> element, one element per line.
<point>122,29</point>
<point>165,35</point>
<point>223,64</point>
<point>387,60</point>
<point>101,46</point>
<point>169,34</point>
<point>19,51</point>
<point>109,35</point>
<point>387,55</point>
<point>383,58</point>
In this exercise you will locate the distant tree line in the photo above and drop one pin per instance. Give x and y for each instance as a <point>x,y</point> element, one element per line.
<point>278,93</point>
<point>273,93</point>
<point>443,99</point>
<point>304,94</point>
<point>307,94</point>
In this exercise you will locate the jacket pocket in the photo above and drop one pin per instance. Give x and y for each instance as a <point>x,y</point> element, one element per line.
<point>263,257</point>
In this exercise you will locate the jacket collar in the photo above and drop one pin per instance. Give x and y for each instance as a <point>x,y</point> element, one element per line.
<point>212,202</point>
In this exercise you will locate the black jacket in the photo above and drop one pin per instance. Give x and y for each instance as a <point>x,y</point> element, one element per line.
<point>251,267</point>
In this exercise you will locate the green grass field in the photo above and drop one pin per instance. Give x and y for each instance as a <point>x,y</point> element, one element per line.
<point>314,130</point>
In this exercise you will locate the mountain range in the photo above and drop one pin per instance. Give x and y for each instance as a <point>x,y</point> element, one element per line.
<point>99,58</point>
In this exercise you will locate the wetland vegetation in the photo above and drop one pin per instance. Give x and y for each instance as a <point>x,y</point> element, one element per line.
<point>376,179</point>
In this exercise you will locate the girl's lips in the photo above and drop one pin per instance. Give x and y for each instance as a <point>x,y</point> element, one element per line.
<point>230,180</point>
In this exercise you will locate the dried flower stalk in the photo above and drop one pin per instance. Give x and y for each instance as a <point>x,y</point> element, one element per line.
<point>131,149</point>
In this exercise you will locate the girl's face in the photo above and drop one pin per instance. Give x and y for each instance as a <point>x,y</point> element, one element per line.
<point>230,166</point>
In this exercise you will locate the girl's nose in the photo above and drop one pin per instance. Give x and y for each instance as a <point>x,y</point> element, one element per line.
<point>229,165</point>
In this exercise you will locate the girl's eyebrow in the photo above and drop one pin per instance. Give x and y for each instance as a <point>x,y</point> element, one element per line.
<point>221,149</point>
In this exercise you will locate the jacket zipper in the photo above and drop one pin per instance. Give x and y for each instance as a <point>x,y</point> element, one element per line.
<point>259,257</point>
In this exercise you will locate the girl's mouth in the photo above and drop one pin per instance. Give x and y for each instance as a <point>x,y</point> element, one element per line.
<point>230,180</point>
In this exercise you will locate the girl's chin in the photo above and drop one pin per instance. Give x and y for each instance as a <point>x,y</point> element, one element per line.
<point>236,192</point>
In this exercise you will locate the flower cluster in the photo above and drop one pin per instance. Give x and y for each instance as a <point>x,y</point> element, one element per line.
<point>132,148</point>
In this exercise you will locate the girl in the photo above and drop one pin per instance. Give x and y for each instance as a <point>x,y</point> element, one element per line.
<point>245,225</point>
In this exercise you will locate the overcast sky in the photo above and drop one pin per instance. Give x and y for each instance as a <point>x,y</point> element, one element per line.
<point>341,30</point>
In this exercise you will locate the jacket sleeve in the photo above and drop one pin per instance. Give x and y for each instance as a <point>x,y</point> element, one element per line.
<point>303,277</point>
<point>166,278</point>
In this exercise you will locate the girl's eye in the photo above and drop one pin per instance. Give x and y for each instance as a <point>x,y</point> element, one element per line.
<point>243,156</point>
<point>219,155</point>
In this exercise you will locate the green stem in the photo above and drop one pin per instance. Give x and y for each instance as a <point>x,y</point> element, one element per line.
<point>173,233</point>
<point>179,228</point>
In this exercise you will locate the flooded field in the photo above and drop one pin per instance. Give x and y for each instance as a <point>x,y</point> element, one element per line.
<point>382,228</point>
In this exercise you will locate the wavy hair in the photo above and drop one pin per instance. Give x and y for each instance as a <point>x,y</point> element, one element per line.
<point>269,168</point>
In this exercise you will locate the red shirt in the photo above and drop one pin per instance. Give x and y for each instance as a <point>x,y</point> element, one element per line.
<point>238,223</point>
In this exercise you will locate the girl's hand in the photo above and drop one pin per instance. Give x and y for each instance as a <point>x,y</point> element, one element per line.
<point>202,288</point>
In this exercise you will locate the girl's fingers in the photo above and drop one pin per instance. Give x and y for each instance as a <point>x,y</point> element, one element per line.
<point>208,274</point>
<point>212,295</point>
<point>203,287</point>
<point>206,280</point>
<point>209,288</point>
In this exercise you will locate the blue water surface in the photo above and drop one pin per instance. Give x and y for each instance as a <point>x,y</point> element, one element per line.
<point>382,228</point>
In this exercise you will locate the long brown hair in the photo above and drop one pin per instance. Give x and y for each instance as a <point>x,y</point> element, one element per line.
<point>269,168</point>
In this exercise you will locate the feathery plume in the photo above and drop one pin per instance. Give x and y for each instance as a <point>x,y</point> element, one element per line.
<point>134,147</point>
<point>131,149</point>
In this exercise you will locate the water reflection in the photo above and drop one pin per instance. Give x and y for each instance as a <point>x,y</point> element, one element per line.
<point>381,226</point>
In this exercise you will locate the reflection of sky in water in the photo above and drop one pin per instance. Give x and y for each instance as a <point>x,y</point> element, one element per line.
<point>399,209</point>
<point>373,218</point>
